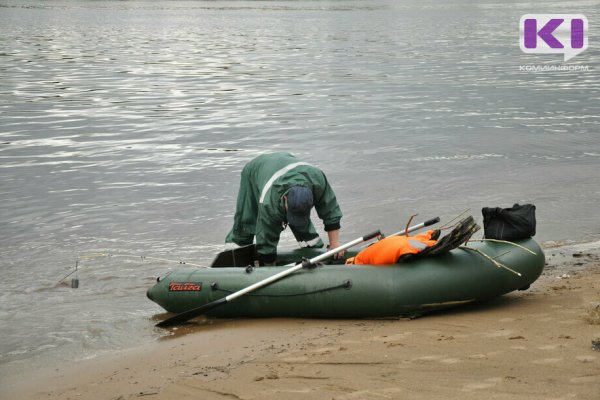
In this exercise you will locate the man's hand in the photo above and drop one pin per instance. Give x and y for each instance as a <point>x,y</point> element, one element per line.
<point>334,242</point>
<point>339,255</point>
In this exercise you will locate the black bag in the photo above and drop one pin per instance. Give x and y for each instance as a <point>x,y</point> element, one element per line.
<point>517,222</point>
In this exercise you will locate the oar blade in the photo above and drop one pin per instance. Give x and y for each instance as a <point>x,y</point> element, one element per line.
<point>190,314</point>
<point>238,257</point>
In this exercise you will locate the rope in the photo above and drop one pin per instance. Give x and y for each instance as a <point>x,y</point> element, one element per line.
<point>496,263</point>
<point>93,256</point>
<point>504,241</point>
<point>493,260</point>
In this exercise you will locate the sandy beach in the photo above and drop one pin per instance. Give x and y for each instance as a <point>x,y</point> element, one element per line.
<point>535,344</point>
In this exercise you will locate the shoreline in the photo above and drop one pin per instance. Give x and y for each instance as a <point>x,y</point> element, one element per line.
<point>531,344</point>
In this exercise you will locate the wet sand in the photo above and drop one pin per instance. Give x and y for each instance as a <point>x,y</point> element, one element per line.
<point>535,344</point>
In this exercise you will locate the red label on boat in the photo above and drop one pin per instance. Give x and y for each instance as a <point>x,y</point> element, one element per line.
<point>185,287</point>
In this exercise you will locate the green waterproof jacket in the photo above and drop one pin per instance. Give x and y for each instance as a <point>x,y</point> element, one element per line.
<point>260,207</point>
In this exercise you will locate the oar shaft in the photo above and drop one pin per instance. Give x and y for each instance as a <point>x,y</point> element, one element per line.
<point>417,227</point>
<point>264,282</point>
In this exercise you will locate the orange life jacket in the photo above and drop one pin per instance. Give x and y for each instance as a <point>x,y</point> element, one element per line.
<point>390,249</point>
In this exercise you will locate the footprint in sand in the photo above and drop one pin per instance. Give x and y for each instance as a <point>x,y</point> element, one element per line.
<point>586,359</point>
<point>519,347</point>
<point>488,383</point>
<point>480,356</point>
<point>427,358</point>
<point>326,350</point>
<point>450,361</point>
<point>550,347</point>
<point>439,358</point>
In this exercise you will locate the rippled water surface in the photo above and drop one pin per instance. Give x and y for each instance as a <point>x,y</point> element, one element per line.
<point>124,126</point>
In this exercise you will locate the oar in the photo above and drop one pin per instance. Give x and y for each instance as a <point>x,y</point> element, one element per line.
<point>187,315</point>
<point>417,227</point>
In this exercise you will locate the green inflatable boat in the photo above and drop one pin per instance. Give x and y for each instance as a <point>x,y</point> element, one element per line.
<point>481,271</point>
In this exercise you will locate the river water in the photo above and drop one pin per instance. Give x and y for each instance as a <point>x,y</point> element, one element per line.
<point>125,124</point>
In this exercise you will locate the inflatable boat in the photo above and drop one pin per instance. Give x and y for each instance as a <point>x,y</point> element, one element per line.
<point>479,271</point>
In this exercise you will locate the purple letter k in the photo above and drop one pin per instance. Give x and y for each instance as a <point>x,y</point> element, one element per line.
<point>531,33</point>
